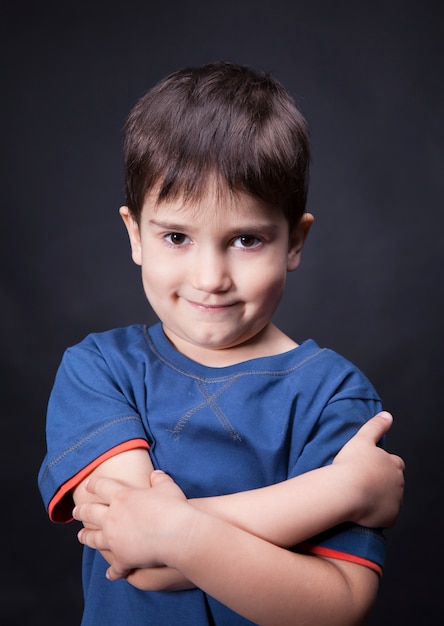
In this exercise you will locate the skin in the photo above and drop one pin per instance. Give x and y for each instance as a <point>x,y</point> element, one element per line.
<point>214,273</point>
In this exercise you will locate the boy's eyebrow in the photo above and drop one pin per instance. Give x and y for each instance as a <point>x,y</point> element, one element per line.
<point>168,225</point>
<point>267,227</point>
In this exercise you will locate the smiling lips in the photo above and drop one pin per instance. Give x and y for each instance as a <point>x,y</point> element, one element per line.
<point>211,308</point>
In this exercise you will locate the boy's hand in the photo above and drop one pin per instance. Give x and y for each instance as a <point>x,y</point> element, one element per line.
<point>377,476</point>
<point>131,523</point>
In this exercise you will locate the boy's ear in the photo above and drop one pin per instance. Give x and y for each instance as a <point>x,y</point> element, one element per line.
<point>134,234</point>
<point>297,240</point>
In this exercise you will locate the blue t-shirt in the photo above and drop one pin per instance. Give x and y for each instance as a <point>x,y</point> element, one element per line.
<point>214,430</point>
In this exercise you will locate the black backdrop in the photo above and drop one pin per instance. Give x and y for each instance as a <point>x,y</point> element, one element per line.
<point>368,76</point>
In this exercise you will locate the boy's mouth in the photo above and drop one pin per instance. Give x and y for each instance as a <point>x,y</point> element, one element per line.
<point>212,308</point>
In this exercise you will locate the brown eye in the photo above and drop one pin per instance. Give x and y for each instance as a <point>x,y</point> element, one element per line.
<point>176,238</point>
<point>246,241</point>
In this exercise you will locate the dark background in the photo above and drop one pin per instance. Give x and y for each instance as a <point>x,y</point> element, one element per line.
<point>369,78</point>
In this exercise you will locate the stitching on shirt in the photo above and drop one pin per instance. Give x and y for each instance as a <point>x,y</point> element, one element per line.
<point>371,532</point>
<point>210,402</point>
<point>229,376</point>
<point>229,379</point>
<point>223,419</point>
<point>85,439</point>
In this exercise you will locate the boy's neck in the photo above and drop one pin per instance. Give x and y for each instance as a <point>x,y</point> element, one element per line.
<point>268,342</point>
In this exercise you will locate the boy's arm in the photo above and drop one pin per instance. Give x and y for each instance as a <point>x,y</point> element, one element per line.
<point>292,511</point>
<point>263,582</point>
<point>131,468</point>
<point>364,485</point>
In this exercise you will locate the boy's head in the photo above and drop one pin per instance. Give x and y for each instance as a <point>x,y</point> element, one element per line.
<point>222,122</point>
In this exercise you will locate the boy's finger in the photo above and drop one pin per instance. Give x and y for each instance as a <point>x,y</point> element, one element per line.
<point>377,426</point>
<point>158,477</point>
<point>90,538</point>
<point>115,573</point>
<point>89,513</point>
<point>103,487</point>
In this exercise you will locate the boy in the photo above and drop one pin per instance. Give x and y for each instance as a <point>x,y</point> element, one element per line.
<point>228,405</point>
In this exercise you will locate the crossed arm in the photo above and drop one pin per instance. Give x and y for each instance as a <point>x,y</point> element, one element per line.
<point>233,547</point>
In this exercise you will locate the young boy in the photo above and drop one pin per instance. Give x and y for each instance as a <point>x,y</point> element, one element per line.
<point>244,527</point>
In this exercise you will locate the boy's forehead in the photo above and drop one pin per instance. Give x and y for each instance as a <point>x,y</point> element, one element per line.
<point>216,203</point>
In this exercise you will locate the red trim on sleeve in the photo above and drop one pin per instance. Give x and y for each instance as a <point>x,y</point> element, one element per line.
<point>60,507</point>
<point>342,556</point>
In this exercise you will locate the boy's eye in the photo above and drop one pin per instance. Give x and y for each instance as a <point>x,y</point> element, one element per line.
<point>176,239</point>
<point>246,241</point>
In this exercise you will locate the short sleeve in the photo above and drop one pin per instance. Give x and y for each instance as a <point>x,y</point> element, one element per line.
<point>89,413</point>
<point>352,403</point>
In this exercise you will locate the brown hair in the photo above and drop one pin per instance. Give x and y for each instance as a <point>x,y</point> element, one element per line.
<point>220,119</point>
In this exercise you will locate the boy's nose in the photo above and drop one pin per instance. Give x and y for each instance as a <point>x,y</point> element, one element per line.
<point>211,272</point>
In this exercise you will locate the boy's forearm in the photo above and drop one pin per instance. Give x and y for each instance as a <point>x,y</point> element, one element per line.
<point>364,485</point>
<point>284,514</point>
<point>265,583</point>
<point>289,512</point>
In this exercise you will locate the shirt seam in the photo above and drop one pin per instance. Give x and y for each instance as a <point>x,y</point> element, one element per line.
<point>83,440</point>
<point>236,375</point>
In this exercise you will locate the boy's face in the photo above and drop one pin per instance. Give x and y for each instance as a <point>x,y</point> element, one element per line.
<point>214,271</point>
